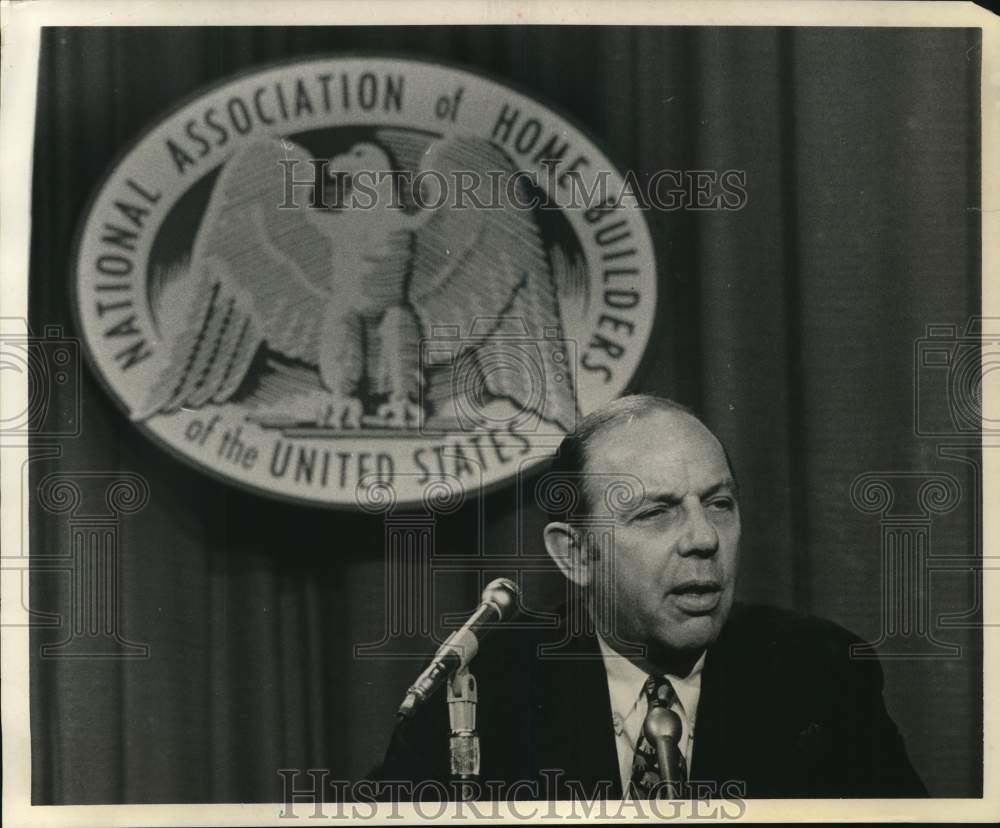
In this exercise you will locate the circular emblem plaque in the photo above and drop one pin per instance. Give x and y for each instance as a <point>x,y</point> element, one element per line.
<point>336,273</point>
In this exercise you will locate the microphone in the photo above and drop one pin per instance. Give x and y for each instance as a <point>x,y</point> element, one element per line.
<point>662,727</point>
<point>499,603</point>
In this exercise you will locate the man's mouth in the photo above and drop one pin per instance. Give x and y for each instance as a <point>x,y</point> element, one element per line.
<point>697,597</point>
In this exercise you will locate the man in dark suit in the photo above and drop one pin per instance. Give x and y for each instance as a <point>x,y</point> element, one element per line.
<point>764,703</point>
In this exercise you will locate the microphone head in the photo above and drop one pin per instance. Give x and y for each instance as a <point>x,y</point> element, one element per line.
<point>501,594</point>
<point>662,722</point>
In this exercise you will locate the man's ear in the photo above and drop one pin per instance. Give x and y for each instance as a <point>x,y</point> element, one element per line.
<point>567,548</point>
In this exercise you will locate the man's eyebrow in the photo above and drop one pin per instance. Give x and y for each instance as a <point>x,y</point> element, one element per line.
<point>667,496</point>
<point>725,483</point>
<point>662,497</point>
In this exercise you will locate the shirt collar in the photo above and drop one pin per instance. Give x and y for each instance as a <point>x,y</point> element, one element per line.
<point>625,682</point>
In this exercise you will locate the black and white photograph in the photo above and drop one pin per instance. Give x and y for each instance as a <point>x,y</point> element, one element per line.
<point>498,412</point>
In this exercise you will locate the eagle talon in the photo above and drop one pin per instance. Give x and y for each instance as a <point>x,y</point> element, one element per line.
<point>400,412</point>
<point>341,414</point>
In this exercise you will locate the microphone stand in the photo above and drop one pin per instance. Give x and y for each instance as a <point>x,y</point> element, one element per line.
<point>464,741</point>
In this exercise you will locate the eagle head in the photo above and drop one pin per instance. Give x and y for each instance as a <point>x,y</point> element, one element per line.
<point>362,159</point>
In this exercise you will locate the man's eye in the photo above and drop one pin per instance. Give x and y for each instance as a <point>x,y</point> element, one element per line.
<point>722,504</point>
<point>651,512</point>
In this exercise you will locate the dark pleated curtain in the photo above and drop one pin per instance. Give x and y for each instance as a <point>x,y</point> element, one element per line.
<point>790,324</point>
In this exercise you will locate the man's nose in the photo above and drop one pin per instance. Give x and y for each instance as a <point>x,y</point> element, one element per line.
<point>700,537</point>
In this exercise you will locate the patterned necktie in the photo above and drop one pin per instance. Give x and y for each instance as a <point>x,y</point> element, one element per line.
<point>645,765</point>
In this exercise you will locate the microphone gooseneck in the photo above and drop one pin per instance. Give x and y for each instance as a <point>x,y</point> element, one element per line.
<point>499,602</point>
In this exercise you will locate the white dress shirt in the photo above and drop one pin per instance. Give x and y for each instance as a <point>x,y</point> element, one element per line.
<point>628,706</point>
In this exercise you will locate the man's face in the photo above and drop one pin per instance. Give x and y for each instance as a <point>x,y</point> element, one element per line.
<point>672,575</point>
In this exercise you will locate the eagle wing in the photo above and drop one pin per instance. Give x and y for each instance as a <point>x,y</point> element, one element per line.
<point>260,273</point>
<point>480,266</point>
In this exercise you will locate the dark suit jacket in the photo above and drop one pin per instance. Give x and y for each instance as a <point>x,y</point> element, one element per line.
<point>784,712</point>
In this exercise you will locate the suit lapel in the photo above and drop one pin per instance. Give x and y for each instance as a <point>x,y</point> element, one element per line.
<point>735,729</point>
<point>711,725</point>
<point>574,718</point>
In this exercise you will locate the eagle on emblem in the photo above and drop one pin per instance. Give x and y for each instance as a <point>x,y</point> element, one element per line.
<point>349,293</point>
